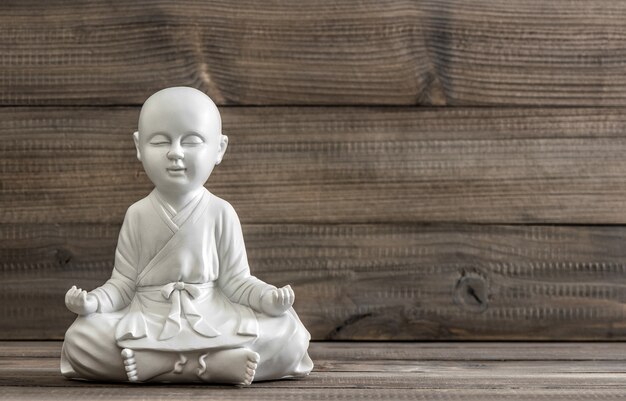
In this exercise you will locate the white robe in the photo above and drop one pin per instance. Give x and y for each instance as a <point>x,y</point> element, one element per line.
<point>181,282</point>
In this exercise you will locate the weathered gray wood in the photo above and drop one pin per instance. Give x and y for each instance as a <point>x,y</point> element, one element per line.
<point>400,352</point>
<point>384,374</point>
<point>334,165</point>
<point>452,371</point>
<point>398,52</point>
<point>374,352</point>
<point>155,393</point>
<point>405,352</point>
<point>402,282</point>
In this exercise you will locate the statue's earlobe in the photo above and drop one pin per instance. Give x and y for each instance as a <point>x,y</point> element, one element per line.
<point>222,149</point>
<point>136,139</point>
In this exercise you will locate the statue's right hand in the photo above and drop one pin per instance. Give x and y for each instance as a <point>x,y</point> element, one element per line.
<point>80,302</point>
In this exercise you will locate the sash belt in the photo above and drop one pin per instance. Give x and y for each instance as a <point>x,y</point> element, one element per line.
<point>180,294</point>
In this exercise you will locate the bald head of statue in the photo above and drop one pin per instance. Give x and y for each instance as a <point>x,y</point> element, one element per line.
<point>179,140</point>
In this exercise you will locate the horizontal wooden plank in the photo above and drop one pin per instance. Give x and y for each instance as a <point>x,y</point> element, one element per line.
<point>414,375</point>
<point>334,165</point>
<point>366,371</point>
<point>399,353</point>
<point>381,352</point>
<point>160,393</point>
<point>400,282</point>
<point>524,52</point>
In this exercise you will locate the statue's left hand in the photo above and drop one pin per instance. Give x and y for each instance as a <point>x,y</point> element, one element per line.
<point>80,301</point>
<point>276,302</point>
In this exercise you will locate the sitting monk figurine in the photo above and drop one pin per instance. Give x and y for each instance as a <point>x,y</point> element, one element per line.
<point>181,305</point>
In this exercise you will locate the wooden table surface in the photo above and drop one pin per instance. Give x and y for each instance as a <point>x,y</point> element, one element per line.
<point>363,371</point>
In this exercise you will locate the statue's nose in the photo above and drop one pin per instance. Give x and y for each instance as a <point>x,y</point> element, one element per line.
<point>175,153</point>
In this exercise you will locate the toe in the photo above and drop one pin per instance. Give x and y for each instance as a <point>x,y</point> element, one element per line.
<point>127,353</point>
<point>254,357</point>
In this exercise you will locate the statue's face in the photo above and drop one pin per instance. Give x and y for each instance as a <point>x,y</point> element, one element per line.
<point>179,141</point>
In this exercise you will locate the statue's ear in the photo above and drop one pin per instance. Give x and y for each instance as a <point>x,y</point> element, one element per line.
<point>222,149</point>
<point>136,139</point>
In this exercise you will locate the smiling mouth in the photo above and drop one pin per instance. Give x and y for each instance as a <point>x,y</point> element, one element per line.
<point>177,171</point>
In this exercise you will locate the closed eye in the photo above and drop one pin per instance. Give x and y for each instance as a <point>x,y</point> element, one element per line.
<point>159,139</point>
<point>192,139</point>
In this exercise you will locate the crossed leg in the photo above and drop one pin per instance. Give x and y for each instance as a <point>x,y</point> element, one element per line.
<point>228,366</point>
<point>90,352</point>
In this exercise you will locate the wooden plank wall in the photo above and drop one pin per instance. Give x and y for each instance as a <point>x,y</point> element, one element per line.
<point>418,170</point>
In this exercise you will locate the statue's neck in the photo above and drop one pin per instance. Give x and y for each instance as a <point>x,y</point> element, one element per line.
<point>178,200</point>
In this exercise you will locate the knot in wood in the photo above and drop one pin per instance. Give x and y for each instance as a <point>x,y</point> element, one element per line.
<point>63,257</point>
<point>471,293</point>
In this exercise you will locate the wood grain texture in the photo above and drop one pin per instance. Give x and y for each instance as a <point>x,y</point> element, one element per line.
<point>398,352</point>
<point>366,282</point>
<point>334,165</point>
<point>338,393</point>
<point>365,371</point>
<point>398,52</point>
<point>389,375</point>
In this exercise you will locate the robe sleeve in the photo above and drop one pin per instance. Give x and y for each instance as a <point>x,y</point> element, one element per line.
<point>118,291</point>
<point>234,273</point>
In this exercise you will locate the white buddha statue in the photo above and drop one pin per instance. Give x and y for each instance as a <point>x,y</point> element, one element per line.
<point>181,305</point>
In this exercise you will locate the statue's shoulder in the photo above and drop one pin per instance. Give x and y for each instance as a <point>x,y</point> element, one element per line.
<point>223,208</point>
<point>139,208</point>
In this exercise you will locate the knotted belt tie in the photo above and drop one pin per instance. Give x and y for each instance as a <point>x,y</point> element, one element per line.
<point>181,295</point>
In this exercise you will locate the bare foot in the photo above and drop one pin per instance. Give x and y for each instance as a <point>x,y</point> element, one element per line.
<point>232,366</point>
<point>144,365</point>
